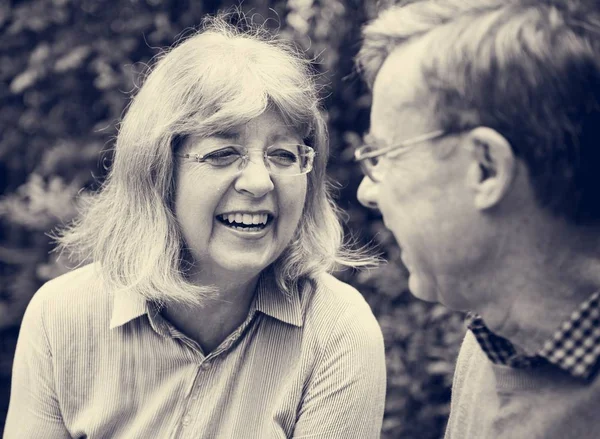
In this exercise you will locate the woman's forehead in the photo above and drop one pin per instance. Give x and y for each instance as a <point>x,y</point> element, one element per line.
<point>267,137</point>
<point>246,130</point>
<point>269,124</point>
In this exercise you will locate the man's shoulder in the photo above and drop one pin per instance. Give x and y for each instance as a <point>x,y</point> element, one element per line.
<point>469,347</point>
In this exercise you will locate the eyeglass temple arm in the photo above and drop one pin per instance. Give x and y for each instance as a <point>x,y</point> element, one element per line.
<point>423,137</point>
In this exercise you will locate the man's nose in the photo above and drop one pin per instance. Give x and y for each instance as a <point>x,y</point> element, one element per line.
<point>367,193</point>
<point>255,178</point>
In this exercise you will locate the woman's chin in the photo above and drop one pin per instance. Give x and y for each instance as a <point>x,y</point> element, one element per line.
<point>250,263</point>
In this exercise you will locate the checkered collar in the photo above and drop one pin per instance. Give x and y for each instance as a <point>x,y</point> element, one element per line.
<point>574,346</point>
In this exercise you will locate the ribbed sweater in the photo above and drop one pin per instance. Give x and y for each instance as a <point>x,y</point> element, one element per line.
<point>499,402</point>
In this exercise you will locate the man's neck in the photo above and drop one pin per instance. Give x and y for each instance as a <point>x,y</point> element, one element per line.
<point>537,293</point>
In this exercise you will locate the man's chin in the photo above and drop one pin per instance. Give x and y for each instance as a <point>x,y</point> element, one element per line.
<point>428,290</point>
<point>421,288</point>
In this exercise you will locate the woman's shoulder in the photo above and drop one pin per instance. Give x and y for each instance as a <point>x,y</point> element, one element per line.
<point>335,306</point>
<point>68,319</point>
<point>330,290</point>
<point>81,284</point>
<point>73,296</point>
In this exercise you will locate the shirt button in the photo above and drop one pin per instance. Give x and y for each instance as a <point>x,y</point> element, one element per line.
<point>205,365</point>
<point>186,420</point>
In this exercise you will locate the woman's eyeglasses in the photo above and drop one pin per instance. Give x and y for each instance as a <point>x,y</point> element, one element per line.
<point>369,157</point>
<point>284,159</point>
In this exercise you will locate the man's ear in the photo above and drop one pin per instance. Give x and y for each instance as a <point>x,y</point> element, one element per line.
<point>492,168</point>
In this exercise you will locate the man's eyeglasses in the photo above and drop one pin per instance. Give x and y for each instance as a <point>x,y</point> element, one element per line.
<point>284,159</point>
<point>369,157</point>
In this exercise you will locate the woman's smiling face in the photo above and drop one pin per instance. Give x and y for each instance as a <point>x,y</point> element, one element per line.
<point>210,201</point>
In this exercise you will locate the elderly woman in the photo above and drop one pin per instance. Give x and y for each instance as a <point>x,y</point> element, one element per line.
<point>208,310</point>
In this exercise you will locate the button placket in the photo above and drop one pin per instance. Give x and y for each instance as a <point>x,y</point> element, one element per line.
<point>192,399</point>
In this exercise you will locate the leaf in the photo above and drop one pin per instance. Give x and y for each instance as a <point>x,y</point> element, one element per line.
<point>24,81</point>
<point>72,60</point>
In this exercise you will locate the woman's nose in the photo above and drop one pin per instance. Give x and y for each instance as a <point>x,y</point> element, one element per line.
<point>367,193</point>
<point>255,178</point>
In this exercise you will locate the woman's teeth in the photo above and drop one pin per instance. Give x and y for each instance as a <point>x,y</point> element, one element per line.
<point>245,218</point>
<point>245,221</point>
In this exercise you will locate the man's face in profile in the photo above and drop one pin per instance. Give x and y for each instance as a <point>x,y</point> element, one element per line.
<point>423,197</point>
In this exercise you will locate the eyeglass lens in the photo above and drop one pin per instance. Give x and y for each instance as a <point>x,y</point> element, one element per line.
<point>284,159</point>
<point>370,166</point>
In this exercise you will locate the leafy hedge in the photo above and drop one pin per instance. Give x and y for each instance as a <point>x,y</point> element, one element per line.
<point>67,68</point>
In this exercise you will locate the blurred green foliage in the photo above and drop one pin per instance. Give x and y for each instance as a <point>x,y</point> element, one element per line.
<point>67,69</point>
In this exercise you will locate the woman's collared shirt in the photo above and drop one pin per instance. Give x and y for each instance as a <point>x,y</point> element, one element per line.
<point>96,366</point>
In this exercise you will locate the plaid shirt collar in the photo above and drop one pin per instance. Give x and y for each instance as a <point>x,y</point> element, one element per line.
<point>574,346</point>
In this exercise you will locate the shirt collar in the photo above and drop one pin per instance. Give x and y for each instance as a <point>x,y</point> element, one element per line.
<point>127,307</point>
<point>269,300</point>
<point>573,347</point>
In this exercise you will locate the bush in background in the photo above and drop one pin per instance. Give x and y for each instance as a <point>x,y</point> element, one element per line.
<point>67,69</point>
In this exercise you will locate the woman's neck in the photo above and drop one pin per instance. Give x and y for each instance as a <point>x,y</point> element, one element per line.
<point>211,323</point>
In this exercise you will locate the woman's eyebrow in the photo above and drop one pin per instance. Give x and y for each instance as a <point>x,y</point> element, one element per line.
<point>288,136</point>
<point>226,135</point>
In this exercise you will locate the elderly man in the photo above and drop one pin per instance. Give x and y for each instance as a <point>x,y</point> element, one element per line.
<point>484,159</point>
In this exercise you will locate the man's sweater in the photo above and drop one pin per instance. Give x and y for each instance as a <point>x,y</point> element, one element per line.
<point>493,401</point>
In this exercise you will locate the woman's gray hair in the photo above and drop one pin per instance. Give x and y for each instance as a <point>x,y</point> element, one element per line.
<point>218,78</point>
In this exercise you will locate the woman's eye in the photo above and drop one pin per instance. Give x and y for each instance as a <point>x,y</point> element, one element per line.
<point>222,157</point>
<point>283,157</point>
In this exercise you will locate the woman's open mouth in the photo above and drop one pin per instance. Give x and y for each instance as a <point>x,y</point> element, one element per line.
<point>246,222</point>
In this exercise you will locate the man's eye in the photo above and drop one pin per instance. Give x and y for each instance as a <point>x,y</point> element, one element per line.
<point>222,157</point>
<point>369,150</point>
<point>283,157</point>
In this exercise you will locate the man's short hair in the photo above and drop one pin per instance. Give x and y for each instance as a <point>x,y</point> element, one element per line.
<point>530,69</point>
